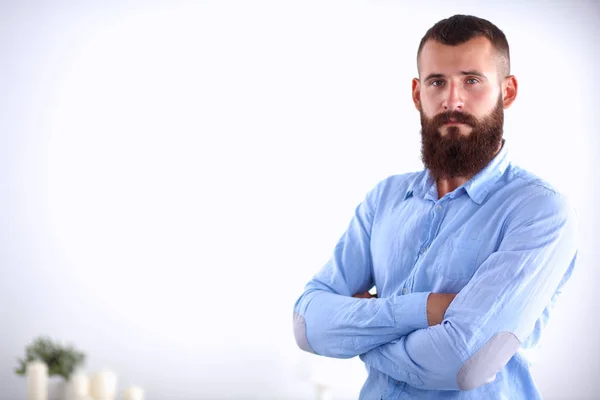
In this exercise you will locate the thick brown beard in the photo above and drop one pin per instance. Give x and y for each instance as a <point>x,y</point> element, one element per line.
<point>456,155</point>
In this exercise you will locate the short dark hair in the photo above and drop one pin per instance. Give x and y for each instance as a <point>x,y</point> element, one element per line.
<point>459,29</point>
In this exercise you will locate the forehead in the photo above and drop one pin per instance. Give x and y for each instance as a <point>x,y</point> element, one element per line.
<point>475,54</point>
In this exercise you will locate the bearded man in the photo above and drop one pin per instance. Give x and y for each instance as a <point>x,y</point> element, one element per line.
<point>467,256</point>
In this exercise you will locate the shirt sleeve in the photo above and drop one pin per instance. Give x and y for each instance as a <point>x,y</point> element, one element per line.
<point>328,321</point>
<point>497,310</point>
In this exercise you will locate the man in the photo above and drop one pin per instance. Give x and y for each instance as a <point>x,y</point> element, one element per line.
<point>467,256</point>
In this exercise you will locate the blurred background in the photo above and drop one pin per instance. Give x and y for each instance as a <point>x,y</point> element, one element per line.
<point>173,173</point>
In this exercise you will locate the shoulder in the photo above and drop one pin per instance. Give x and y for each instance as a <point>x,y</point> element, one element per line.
<point>532,195</point>
<point>528,182</point>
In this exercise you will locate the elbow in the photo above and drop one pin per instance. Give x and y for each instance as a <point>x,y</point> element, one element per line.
<point>483,366</point>
<point>300,333</point>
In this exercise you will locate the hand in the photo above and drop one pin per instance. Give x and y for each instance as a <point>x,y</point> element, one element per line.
<point>365,295</point>
<point>437,304</point>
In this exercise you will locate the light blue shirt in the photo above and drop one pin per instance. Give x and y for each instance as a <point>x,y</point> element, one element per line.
<point>505,241</point>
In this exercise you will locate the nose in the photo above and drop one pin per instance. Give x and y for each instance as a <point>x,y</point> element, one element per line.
<point>454,98</point>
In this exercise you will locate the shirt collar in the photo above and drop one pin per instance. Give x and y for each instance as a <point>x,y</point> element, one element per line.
<point>478,187</point>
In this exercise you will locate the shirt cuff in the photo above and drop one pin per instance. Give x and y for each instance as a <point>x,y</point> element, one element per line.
<point>410,311</point>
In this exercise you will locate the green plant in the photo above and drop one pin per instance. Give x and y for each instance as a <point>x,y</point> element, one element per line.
<point>61,361</point>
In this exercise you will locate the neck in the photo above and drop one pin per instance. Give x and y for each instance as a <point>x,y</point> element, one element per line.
<point>448,185</point>
<point>445,186</point>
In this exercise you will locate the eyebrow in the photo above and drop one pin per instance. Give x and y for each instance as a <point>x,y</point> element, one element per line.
<point>472,72</point>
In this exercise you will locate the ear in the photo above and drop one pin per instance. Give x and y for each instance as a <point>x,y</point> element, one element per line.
<point>510,87</point>
<point>416,93</point>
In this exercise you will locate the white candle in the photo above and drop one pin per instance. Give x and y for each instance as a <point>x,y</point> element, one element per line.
<point>103,385</point>
<point>79,386</point>
<point>133,393</point>
<point>37,381</point>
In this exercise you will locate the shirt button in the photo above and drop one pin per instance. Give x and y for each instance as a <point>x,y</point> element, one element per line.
<point>438,207</point>
<point>405,291</point>
<point>422,251</point>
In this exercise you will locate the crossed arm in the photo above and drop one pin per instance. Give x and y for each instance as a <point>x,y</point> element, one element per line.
<point>414,338</point>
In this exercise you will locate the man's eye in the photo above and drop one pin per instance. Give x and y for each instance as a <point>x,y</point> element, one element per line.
<point>437,83</point>
<point>472,80</point>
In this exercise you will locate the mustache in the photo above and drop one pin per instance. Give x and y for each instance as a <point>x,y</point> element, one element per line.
<point>453,116</point>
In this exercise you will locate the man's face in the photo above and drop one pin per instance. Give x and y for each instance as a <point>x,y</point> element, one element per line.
<point>460,100</point>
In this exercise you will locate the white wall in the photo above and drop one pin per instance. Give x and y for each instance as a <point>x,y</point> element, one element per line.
<point>172,173</point>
